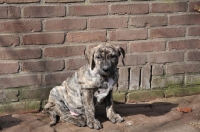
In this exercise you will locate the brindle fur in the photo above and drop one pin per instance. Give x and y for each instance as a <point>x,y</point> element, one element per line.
<point>76,93</point>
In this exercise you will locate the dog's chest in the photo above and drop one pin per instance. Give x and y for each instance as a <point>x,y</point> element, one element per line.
<point>101,93</point>
<point>101,88</point>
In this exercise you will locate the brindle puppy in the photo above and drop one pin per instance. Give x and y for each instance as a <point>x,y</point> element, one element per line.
<point>73,100</point>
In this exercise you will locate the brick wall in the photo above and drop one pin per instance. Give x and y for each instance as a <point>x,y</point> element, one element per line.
<point>42,42</point>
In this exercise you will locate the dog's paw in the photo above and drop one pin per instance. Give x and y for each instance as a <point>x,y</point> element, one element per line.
<point>116,118</point>
<point>94,124</point>
<point>61,119</point>
<point>52,123</point>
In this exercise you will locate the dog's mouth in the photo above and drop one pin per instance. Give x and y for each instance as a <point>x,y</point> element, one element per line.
<point>106,74</point>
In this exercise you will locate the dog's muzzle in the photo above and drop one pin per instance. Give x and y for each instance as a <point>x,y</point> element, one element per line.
<point>106,71</point>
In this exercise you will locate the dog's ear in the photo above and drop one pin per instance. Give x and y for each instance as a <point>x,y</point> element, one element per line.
<point>121,52</point>
<point>89,56</point>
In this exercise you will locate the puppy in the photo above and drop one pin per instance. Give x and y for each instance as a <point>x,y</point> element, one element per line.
<point>73,101</point>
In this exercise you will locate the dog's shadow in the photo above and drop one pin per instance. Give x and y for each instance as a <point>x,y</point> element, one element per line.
<point>8,121</point>
<point>147,109</point>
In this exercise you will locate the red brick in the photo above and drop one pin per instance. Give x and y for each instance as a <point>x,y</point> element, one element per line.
<point>147,46</point>
<point>188,19</point>
<point>20,54</point>
<point>134,60</point>
<point>19,1</point>
<point>40,66</point>
<point>3,12</point>
<point>56,78</point>
<point>65,24</point>
<point>192,80</point>
<point>165,57</point>
<point>123,79</point>
<point>145,77</point>
<point>194,31</point>
<point>166,81</point>
<point>49,38</point>
<point>9,12</point>
<point>169,7</point>
<point>9,67</point>
<point>76,63</point>
<point>66,51</point>
<point>44,11</point>
<point>19,81</point>
<point>86,36</point>
<point>64,1</point>
<point>157,70</point>
<point>105,22</point>
<point>87,10</point>
<point>20,26</point>
<point>184,44</point>
<point>134,78</point>
<point>182,68</point>
<point>167,32</point>
<point>135,34</point>
<point>9,40</point>
<point>192,4</point>
<point>193,55</point>
<point>129,8</point>
<point>95,1</point>
<point>143,21</point>
<point>90,46</point>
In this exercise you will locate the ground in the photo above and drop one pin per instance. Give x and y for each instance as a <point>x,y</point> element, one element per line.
<point>161,115</point>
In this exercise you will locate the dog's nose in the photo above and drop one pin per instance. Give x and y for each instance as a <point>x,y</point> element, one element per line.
<point>105,68</point>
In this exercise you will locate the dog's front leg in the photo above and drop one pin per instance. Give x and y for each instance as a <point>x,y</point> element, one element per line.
<point>87,98</point>
<point>112,116</point>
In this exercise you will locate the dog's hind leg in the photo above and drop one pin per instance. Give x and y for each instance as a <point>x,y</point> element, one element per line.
<point>66,116</point>
<point>53,117</point>
<point>55,110</point>
<point>54,113</point>
<point>76,120</point>
<point>50,109</point>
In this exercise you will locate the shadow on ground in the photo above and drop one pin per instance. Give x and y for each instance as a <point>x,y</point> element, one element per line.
<point>8,121</point>
<point>147,109</point>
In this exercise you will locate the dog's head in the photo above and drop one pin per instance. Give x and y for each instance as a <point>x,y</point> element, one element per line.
<point>104,58</point>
